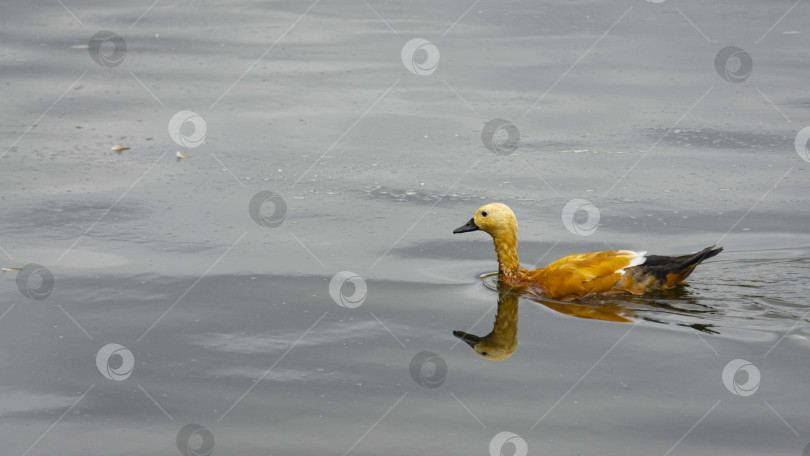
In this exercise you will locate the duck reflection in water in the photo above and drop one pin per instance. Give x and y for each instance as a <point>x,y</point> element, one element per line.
<point>502,341</point>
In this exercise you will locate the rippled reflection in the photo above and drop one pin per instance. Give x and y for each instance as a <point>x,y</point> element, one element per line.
<point>663,307</point>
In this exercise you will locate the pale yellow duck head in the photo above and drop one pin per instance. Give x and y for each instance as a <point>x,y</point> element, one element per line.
<point>499,221</point>
<point>494,218</point>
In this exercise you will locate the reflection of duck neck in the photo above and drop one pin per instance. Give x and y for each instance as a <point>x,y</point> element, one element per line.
<point>502,342</point>
<point>505,327</point>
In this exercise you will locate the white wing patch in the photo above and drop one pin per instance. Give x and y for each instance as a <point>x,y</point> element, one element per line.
<point>640,258</point>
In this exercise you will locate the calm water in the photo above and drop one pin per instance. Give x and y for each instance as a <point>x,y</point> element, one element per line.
<point>228,340</point>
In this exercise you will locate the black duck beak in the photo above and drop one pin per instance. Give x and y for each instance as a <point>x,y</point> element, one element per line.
<point>471,339</point>
<point>469,226</point>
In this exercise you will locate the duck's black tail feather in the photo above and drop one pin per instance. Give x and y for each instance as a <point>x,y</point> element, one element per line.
<point>673,270</point>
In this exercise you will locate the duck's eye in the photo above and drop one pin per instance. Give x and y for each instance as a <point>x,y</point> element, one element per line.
<point>483,214</point>
<point>484,353</point>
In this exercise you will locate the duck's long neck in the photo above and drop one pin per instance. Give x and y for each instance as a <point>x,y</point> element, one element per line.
<point>507,250</point>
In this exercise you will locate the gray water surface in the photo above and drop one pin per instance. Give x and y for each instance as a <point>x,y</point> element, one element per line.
<point>229,324</point>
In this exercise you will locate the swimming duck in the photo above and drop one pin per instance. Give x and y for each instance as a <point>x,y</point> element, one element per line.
<point>579,275</point>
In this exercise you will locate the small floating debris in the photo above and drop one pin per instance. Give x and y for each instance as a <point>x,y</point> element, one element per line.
<point>180,156</point>
<point>11,269</point>
<point>119,148</point>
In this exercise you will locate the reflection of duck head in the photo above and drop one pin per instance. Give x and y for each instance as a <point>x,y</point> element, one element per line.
<point>502,342</point>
